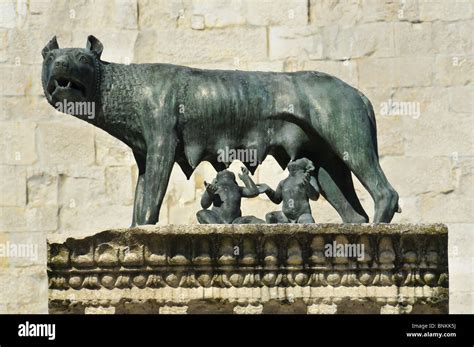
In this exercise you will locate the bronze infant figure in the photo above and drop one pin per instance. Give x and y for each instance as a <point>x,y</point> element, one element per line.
<point>295,191</point>
<point>224,194</point>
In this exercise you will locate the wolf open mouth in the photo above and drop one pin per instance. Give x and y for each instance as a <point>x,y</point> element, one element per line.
<point>63,83</point>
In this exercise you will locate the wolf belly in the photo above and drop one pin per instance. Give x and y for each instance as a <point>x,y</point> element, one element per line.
<point>238,110</point>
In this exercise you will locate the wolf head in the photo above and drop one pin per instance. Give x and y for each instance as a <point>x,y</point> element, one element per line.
<point>71,74</point>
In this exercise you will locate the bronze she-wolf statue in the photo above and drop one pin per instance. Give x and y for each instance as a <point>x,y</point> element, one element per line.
<point>169,113</point>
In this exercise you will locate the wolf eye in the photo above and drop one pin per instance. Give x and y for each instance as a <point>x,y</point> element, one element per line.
<point>83,59</point>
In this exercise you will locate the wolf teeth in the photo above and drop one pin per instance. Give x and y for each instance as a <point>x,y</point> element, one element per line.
<point>68,84</point>
<point>56,83</point>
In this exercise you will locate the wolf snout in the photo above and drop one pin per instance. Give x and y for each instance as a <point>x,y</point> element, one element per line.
<point>61,64</point>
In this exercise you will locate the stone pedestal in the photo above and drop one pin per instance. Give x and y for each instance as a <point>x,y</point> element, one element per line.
<point>252,269</point>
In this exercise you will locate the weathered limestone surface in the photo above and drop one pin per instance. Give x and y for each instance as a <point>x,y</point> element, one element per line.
<point>61,177</point>
<point>252,269</point>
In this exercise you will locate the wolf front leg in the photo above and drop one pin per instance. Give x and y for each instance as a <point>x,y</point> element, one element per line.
<point>159,163</point>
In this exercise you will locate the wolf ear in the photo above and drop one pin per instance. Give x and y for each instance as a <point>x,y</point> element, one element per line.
<point>52,44</point>
<point>94,45</point>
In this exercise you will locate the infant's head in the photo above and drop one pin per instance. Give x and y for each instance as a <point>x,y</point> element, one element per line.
<point>300,165</point>
<point>225,176</point>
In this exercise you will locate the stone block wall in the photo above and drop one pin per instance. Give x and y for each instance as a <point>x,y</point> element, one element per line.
<point>413,59</point>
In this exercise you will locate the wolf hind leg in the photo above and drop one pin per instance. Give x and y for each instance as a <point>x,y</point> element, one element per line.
<point>337,187</point>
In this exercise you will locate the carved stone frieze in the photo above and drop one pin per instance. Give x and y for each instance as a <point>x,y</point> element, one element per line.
<point>297,259</point>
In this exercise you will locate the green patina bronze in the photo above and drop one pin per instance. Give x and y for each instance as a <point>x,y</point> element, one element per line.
<point>169,113</point>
